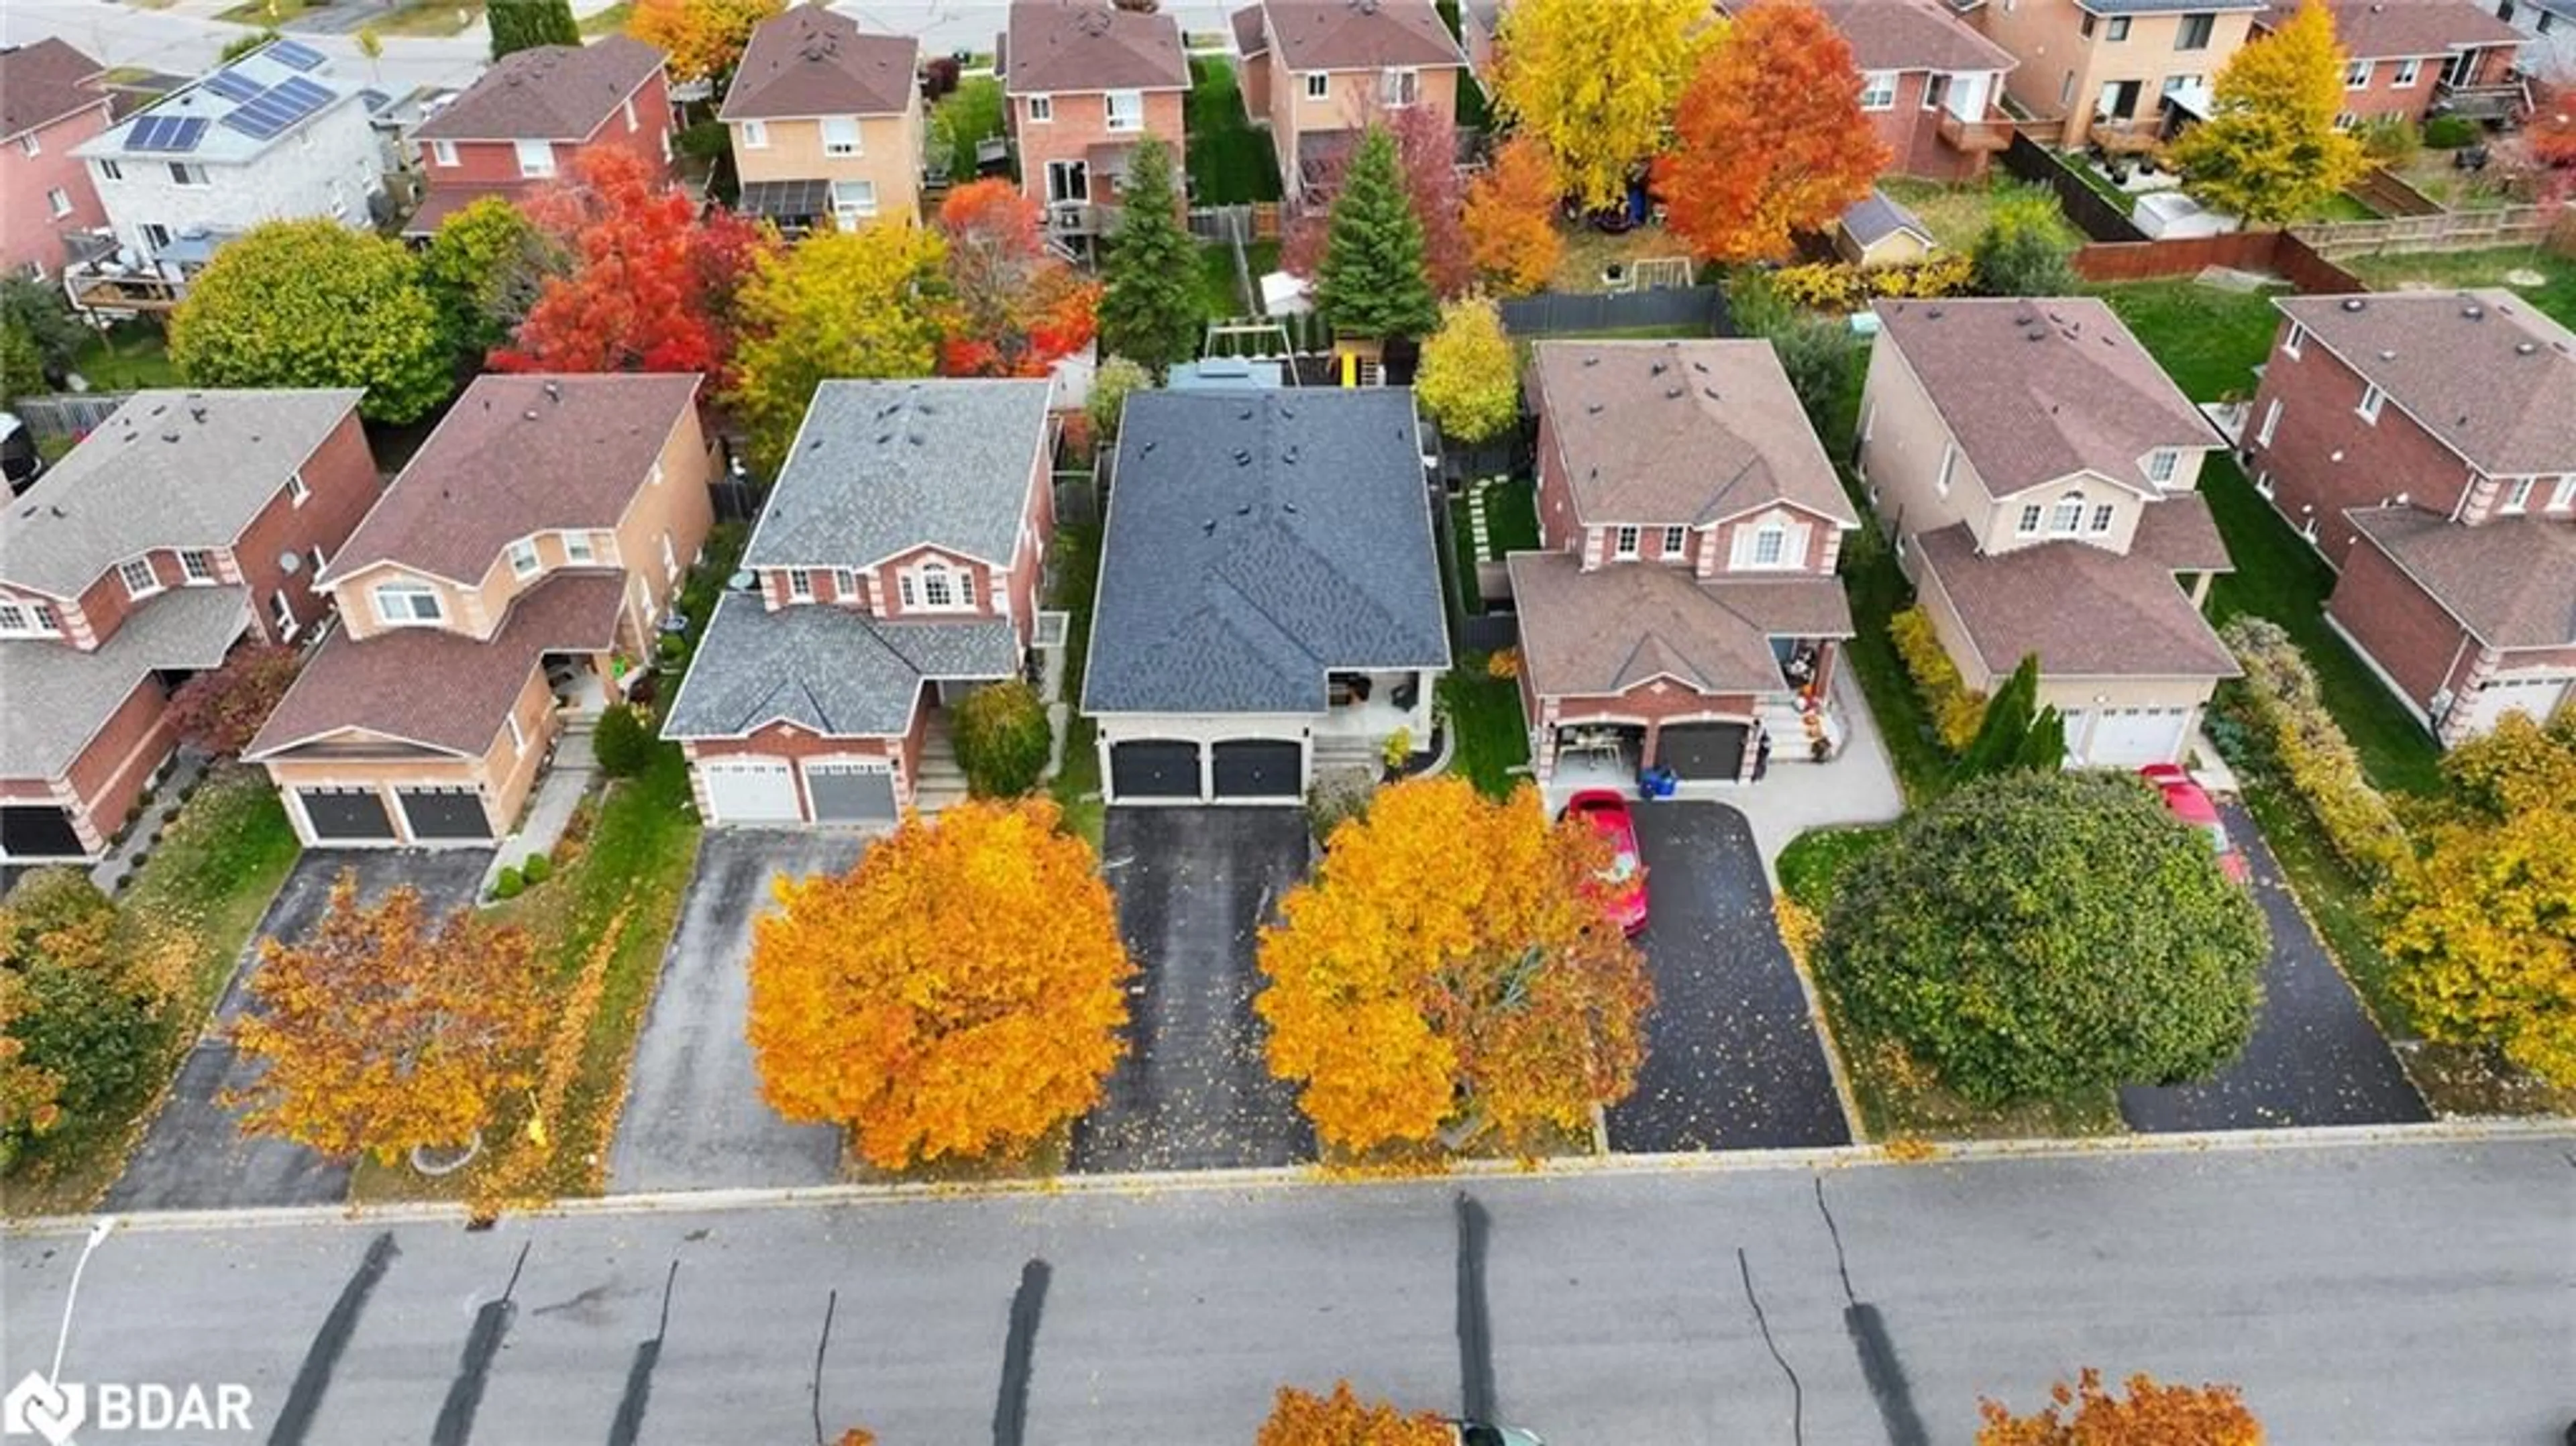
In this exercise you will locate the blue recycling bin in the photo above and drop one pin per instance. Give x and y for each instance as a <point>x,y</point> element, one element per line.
<point>1657,782</point>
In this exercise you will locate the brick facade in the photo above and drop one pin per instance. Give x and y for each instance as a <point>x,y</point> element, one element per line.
<point>1081,121</point>
<point>2323,456</point>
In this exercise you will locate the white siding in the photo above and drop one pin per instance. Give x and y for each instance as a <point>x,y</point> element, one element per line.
<point>290,180</point>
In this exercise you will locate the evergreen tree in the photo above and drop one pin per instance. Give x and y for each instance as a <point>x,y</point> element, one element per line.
<point>1372,281</point>
<point>1149,307</point>
<point>2043,749</point>
<point>521,24</point>
<point>1997,748</point>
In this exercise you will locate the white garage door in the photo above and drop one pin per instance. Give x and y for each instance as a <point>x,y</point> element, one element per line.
<point>750,790</point>
<point>2127,737</point>
<point>2535,696</point>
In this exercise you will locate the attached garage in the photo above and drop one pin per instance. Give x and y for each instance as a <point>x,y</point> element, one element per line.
<point>38,831</point>
<point>1266,768</point>
<point>2127,737</point>
<point>750,790</point>
<point>851,790</point>
<point>2482,710</point>
<point>346,815</point>
<point>1703,751</point>
<point>445,815</point>
<point>1157,768</point>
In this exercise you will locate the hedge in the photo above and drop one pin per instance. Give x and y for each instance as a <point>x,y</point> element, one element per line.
<point>1958,711</point>
<point>2278,698</point>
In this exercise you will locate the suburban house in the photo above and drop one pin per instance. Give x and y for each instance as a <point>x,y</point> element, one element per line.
<point>827,122</point>
<point>50,102</point>
<point>2411,57</point>
<point>2426,443</point>
<point>526,120</point>
<point>183,524</point>
<point>511,580</point>
<point>1318,71</point>
<point>1932,86</point>
<point>1684,602</point>
<point>1270,597</point>
<point>2039,473</point>
<point>895,570</point>
<point>1087,81</point>
<point>272,136</point>
<point>2549,35</point>
<point>2106,67</point>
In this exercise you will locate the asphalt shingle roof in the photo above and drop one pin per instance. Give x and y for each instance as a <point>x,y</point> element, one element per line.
<point>219,144</point>
<point>1877,216</point>
<point>2513,584</point>
<point>810,61</point>
<point>2164,7</point>
<point>2483,371</point>
<point>1081,45</point>
<point>1901,35</point>
<point>547,93</point>
<point>880,468</point>
<point>830,670</point>
<point>42,83</point>
<point>2087,611</point>
<point>59,697</point>
<point>1358,34</point>
<point>1599,633</point>
<point>2394,29</point>
<point>1257,541</point>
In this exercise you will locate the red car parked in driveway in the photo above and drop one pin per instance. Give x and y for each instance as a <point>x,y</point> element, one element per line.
<point>2191,803</point>
<point>1624,883</point>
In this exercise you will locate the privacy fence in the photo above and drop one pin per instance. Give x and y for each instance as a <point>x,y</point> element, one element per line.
<point>67,414</point>
<point>1573,313</point>
<point>2281,253</point>
<point>2092,213</point>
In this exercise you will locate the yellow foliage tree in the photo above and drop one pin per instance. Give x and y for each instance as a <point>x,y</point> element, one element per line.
<point>1510,217</point>
<point>1596,84</point>
<point>1466,380</point>
<point>1450,970</point>
<point>2085,1414</point>
<point>703,39</point>
<point>2272,151</point>
<point>386,1030</point>
<point>864,303</point>
<point>959,992</point>
<point>1302,1418</point>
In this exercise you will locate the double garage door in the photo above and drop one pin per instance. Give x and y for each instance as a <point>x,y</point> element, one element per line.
<point>430,815</point>
<point>2127,737</point>
<point>763,790</point>
<point>1238,770</point>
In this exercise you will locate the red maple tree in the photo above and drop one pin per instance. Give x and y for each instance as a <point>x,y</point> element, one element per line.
<point>1426,146</point>
<point>1015,309</point>
<point>1769,139</point>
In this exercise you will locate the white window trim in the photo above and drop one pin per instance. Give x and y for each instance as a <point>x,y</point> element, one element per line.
<point>1394,81</point>
<point>845,584</point>
<point>2357,73</point>
<point>2118,29</point>
<point>2372,399</point>
<point>2271,424</point>
<point>544,170</point>
<point>1109,111</point>
<point>1626,541</point>
<point>407,616</point>
<point>962,597</point>
<point>854,146</point>
<point>38,620</point>
<point>1042,109</point>
<point>2104,515</point>
<point>58,201</point>
<point>866,209</point>
<point>578,550</point>
<point>110,171</point>
<point>1774,537</point>
<point>1949,464</point>
<point>1676,544</point>
<point>296,491</point>
<point>800,584</point>
<point>188,174</point>
<point>518,740</point>
<point>442,153</point>
<point>755,135</point>
<point>126,577</point>
<point>188,558</point>
<point>524,562</point>
<point>2162,464</point>
<point>2409,71</point>
<point>281,613</point>
<point>628,106</point>
<point>1878,90</point>
<point>29,145</point>
<point>2562,498</point>
<point>2033,517</point>
<point>2066,516</point>
<point>1319,85</point>
<point>2517,496</point>
<point>2293,344</point>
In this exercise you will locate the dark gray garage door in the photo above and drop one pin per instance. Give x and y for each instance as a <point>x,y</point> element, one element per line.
<point>346,813</point>
<point>850,792</point>
<point>1154,769</point>
<point>1702,750</point>
<point>1259,768</point>
<point>445,813</point>
<point>38,831</point>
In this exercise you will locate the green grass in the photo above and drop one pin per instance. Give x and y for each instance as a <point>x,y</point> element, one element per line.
<point>609,21</point>
<point>1230,161</point>
<point>130,357</point>
<point>1815,861</point>
<point>2208,340</point>
<point>1076,786</point>
<point>1490,739</point>
<point>2341,206</point>
<point>1462,544</point>
<point>2099,184</point>
<point>1511,518</point>
<point>2556,295</point>
<point>1218,297</point>
<point>1957,215</point>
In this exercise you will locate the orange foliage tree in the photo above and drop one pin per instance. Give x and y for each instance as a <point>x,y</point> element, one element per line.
<point>385,1030</point>
<point>1017,309</point>
<point>960,991</point>
<point>221,710</point>
<point>1450,970</point>
<point>1770,138</point>
<point>1510,220</point>
<point>1302,1418</point>
<point>701,39</point>
<point>2085,1414</point>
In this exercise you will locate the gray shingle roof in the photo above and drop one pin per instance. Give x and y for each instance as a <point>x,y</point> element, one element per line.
<point>1600,633</point>
<point>1083,45</point>
<point>811,61</point>
<point>1256,542</point>
<point>830,670</point>
<point>43,82</point>
<point>1877,216</point>
<point>880,468</point>
<point>59,697</point>
<point>169,469</point>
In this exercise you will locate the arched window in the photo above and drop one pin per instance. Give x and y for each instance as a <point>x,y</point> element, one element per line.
<point>2068,514</point>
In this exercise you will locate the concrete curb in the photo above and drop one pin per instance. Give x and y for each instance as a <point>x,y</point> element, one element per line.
<point>1973,1152</point>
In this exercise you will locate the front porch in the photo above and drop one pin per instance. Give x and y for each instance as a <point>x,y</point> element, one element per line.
<point>1363,710</point>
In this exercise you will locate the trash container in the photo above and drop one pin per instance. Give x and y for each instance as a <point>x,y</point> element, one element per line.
<point>1656,783</point>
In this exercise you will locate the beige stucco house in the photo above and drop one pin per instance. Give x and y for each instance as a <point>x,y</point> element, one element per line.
<point>2107,66</point>
<point>1318,71</point>
<point>826,122</point>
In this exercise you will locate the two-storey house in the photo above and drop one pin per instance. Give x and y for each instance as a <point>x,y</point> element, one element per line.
<point>529,117</point>
<point>1932,86</point>
<point>895,570</point>
<point>50,102</point>
<point>1318,71</point>
<point>513,578</point>
<point>1086,82</point>
<point>2409,57</point>
<point>1269,594</point>
<point>1683,604</point>
<point>2040,475</point>
<point>2426,443</point>
<point>827,122</point>
<point>273,136</point>
<point>2105,67</point>
<point>186,522</point>
<point>2548,33</point>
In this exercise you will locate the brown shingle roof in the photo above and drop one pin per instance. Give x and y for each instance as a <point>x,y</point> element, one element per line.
<point>1249,38</point>
<point>1587,634</point>
<point>1905,35</point>
<point>517,455</point>
<point>2395,29</point>
<point>42,83</point>
<point>1358,34</point>
<point>2179,533</point>
<point>2513,584</point>
<point>1681,432</point>
<point>810,61</point>
<point>2040,389</point>
<point>2088,612</point>
<point>443,689</point>
<point>1079,45</point>
<point>2497,386</point>
<point>547,93</point>
<point>445,201</point>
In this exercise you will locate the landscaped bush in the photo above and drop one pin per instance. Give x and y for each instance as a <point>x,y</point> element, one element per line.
<point>2279,700</point>
<point>1842,286</point>
<point>510,885</point>
<point>623,741</point>
<point>2390,140</point>
<point>1957,710</point>
<point>536,868</point>
<point>2024,249</point>
<point>2450,132</point>
<point>1003,739</point>
<point>1109,388</point>
<point>1338,796</point>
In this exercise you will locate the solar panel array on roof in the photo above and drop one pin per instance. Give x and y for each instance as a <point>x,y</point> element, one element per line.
<point>232,85</point>
<point>281,105</point>
<point>295,54</point>
<point>166,133</point>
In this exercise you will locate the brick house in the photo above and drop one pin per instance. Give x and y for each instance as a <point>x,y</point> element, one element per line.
<point>527,119</point>
<point>2102,69</point>
<point>1932,86</point>
<point>2426,443</point>
<point>1317,71</point>
<point>827,122</point>
<point>50,102</point>
<point>2040,474</point>
<point>1684,601</point>
<point>186,522</point>
<point>504,586</point>
<point>896,569</point>
<point>2407,57</point>
<point>1086,82</point>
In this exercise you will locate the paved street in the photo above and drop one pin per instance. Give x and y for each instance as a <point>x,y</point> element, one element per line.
<point>193,1157</point>
<point>1732,1058</point>
<point>2412,1294</point>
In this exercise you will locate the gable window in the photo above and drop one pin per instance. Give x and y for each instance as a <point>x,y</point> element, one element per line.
<point>139,579</point>
<point>296,491</point>
<point>2067,514</point>
<point>185,173</point>
<point>2161,464</point>
<point>1949,462</point>
<point>840,135</point>
<point>2409,71</point>
<point>1318,85</point>
<point>1676,542</point>
<point>577,549</point>
<point>2372,399</point>
<point>198,564</point>
<point>399,603</point>
<point>282,612</point>
<point>936,587</point>
<point>755,135</point>
<point>536,158</point>
<point>2103,513</point>
<point>1399,87</point>
<point>2031,515</point>
<point>2562,498</point>
<point>1878,90</point>
<point>1125,109</point>
<point>29,619</point>
<point>2517,495</point>
<point>2356,76</point>
<point>2291,344</point>
<point>523,559</point>
<point>1042,108</point>
<point>2119,29</point>
<point>1623,542</point>
<point>442,153</point>
<point>1770,544</point>
<point>2194,32</point>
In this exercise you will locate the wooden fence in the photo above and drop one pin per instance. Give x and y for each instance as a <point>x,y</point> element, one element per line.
<point>67,414</point>
<point>2387,193</point>
<point>2279,252</point>
<point>1242,224</point>
<point>2441,231</point>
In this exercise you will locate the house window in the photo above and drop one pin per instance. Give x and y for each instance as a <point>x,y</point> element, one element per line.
<point>2409,71</point>
<point>139,579</point>
<point>2084,27</point>
<point>577,549</point>
<point>518,740</point>
<point>296,491</point>
<point>523,559</point>
<point>840,135</point>
<point>184,173</point>
<point>2119,29</point>
<point>628,106</point>
<point>110,171</point>
<point>536,158</point>
<point>2271,424</point>
<point>58,201</point>
<point>2346,120</point>
<point>800,584</point>
<point>1949,461</point>
<point>1624,542</point>
<point>845,584</point>
<point>1318,85</point>
<point>2356,75</point>
<point>2291,345</point>
<point>853,201</point>
<point>1770,544</point>
<point>29,619</point>
<point>1399,87</point>
<point>198,564</point>
<point>2067,514</point>
<point>1877,90</point>
<point>2517,495</point>
<point>1936,88</point>
<point>2372,399</point>
<point>282,613</point>
<point>755,136</point>
<point>2031,515</point>
<point>2194,32</point>
<point>2102,515</point>
<point>937,587</point>
<point>442,153</point>
<point>29,144</point>
<point>2161,464</point>
<point>155,235</point>
<point>1125,109</point>
<point>2562,498</point>
<point>1042,108</point>
<point>1068,181</point>
<point>398,603</point>
<point>2066,91</point>
<point>1676,542</point>
<point>670,559</point>
<point>316,557</point>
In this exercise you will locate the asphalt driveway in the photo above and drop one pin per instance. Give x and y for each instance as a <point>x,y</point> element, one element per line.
<point>1194,887</point>
<point>1732,1057</point>
<point>694,1118</point>
<point>2315,1058</point>
<point>193,1157</point>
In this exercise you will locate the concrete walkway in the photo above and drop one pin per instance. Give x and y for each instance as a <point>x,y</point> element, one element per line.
<point>568,777</point>
<point>1858,786</point>
<point>159,807</point>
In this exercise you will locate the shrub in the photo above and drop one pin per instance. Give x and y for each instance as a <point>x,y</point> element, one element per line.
<point>623,741</point>
<point>2450,132</point>
<point>1003,739</point>
<point>1338,796</point>
<point>1958,711</point>
<point>2279,698</point>
<point>1842,286</point>
<point>1503,663</point>
<point>1397,748</point>
<point>1817,355</point>
<point>2390,140</point>
<point>939,76</point>
<point>536,868</point>
<point>1109,388</point>
<point>510,885</point>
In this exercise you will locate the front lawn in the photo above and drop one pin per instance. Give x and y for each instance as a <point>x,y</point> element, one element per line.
<point>2208,340</point>
<point>1230,162</point>
<point>1815,861</point>
<point>130,356</point>
<point>2441,270</point>
<point>1489,740</point>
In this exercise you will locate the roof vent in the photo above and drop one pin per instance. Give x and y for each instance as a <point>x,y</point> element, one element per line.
<point>1700,367</point>
<point>1655,368</point>
<point>57,510</point>
<point>1147,447</point>
<point>1592,361</point>
<point>2353,303</point>
<point>1244,416</point>
<point>882,439</point>
<point>2387,355</point>
<point>1710,393</point>
<point>1243,456</point>
<point>916,439</point>
<point>2525,348</point>
<point>554,390</point>
<point>529,415</point>
<point>1675,394</point>
<point>159,407</point>
<point>197,415</point>
<point>1208,528</point>
<point>1243,509</point>
<point>1591,409</point>
<point>2473,311</point>
<point>1288,507</point>
<point>1932,312</point>
<point>1289,456</point>
<point>1093,22</point>
<point>170,436</point>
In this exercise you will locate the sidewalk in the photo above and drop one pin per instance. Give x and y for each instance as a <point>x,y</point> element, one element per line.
<point>569,776</point>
